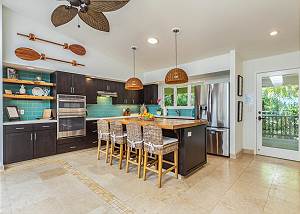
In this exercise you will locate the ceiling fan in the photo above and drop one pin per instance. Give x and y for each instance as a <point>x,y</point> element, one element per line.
<point>90,11</point>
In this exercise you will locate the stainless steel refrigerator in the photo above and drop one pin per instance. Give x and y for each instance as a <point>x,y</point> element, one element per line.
<point>212,104</point>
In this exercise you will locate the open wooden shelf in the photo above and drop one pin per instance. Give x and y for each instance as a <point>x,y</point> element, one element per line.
<point>27,97</point>
<point>28,82</point>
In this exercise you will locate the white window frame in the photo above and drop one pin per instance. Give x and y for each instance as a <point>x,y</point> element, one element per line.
<point>189,86</point>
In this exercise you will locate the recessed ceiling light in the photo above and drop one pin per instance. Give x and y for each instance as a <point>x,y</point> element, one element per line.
<point>152,40</point>
<point>273,33</point>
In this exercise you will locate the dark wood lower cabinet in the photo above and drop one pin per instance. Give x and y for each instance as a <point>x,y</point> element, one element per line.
<point>44,143</point>
<point>18,147</point>
<point>25,142</point>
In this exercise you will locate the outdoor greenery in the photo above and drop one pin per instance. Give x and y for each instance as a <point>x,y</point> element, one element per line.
<point>182,96</point>
<point>169,96</point>
<point>281,100</point>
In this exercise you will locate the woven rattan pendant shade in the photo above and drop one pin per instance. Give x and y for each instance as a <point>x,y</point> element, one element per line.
<point>133,83</point>
<point>176,75</point>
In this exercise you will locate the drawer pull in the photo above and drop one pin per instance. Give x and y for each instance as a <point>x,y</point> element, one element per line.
<point>46,126</point>
<point>19,128</point>
<point>73,147</point>
<point>94,142</point>
<point>95,131</point>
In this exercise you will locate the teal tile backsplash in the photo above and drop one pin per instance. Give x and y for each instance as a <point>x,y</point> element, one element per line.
<point>105,108</point>
<point>33,109</point>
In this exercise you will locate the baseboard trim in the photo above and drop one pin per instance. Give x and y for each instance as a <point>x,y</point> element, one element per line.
<point>249,151</point>
<point>1,168</point>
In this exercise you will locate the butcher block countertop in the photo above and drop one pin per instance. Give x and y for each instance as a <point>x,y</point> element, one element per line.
<point>163,123</point>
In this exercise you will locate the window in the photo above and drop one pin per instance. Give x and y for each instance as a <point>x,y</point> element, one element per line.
<point>169,96</point>
<point>192,100</point>
<point>179,96</point>
<point>182,96</point>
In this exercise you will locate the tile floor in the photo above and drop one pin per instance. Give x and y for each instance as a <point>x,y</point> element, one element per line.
<point>78,183</point>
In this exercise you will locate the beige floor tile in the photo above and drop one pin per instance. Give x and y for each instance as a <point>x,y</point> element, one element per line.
<point>68,183</point>
<point>52,173</point>
<point>278,206</point>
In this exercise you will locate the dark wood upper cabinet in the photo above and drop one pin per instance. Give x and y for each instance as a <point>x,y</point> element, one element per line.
<point>78,84</point>
<point>91,90</point>
<point>68,83</point>
<point>63,81</point>
<point>150,94</point>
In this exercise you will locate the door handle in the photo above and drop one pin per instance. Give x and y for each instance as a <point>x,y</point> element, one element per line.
<point>35,136</point>
<point>260,118</point>
<point>31,137</point>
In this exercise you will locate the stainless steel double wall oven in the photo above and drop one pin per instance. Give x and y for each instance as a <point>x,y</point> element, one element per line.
<point>71,116</point>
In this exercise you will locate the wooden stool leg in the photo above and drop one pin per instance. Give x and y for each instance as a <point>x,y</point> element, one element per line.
<point>107,152</point>
<point>139,162</point>
<point>121,156</point>
<point>156,159</point>
<point>127,158</point>
<point>98,151</point>
<point>112,149</point>
<point>145,164</point>
<point>176,163</point>
<point>160,159</point>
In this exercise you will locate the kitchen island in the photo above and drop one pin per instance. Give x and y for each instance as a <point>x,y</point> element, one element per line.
<point>191,135</point>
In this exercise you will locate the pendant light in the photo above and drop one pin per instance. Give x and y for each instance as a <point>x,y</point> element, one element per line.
<point>134,84</point>
<point>176,75</point>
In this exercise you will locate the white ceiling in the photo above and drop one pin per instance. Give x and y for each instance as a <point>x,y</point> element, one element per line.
<point>209,27</point>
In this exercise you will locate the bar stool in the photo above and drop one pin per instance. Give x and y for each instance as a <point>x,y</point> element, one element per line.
<point>117,137</point>
<point>134,141</point>
<point>155,143</point>
<point>103,135</point>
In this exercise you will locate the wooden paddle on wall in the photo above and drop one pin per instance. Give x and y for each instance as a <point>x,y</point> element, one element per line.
<point>31,55</point>
<point>75,48</point>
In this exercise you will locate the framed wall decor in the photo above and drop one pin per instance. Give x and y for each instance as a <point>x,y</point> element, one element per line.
<point>11,73</point>
<point>12,113</point>
<point>240,85</point>
<point>240,111</point>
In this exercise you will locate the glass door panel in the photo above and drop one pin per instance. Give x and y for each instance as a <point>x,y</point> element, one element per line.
<point>278,114</point>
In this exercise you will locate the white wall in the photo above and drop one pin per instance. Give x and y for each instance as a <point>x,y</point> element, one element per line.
<point>236,128</point>
<point>1,97</point>
<point>97,64</point>
<point>227,62</point>
<point>199,67</point>
<point>251,68</point>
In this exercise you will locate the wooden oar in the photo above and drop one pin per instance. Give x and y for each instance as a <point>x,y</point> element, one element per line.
<point>31,55</point>
<point>75,48</point>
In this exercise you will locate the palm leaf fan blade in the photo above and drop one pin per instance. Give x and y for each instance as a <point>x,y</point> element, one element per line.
<point>107,5</point>
<point>63,14</point>
<point>96,20</point>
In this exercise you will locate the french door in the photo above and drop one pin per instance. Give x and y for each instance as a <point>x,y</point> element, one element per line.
<point>278,114</point>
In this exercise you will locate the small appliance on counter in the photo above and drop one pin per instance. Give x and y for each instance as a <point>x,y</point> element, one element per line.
<point>212,104</point>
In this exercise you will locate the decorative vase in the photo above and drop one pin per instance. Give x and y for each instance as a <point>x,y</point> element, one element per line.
<point>22,89</point>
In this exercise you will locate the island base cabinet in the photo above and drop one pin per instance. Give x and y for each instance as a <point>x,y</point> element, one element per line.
<point>18,147</point>
<point>192,149</point>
